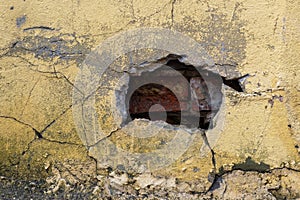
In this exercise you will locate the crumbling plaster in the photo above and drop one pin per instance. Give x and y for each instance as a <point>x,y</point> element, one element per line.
<point>42,46</point>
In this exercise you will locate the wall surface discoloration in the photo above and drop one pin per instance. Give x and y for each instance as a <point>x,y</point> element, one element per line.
<point>257,136</point>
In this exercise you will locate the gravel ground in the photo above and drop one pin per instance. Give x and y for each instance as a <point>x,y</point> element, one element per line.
<point>20,189</point>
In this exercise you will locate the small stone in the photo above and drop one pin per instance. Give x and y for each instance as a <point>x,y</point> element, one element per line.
<point>61,184</point>
<point>293,163</point>
<point>183,187</point>
<point>47,165</point>
<point>99,177</point>
<point>45,155</point>
<point>96,190</point>
<point>121,167</point>
<point>119,179</point>
<point>170,183</point>
<point>145,180</point>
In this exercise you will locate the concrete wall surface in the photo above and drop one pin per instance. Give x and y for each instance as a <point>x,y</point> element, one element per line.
<point>66,69</point>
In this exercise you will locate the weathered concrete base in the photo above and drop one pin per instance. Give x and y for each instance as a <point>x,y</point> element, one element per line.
<point>66,183</point>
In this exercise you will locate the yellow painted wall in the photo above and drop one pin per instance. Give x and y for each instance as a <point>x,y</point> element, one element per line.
<point>43,43</point>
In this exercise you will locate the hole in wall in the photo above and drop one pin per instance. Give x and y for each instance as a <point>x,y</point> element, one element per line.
<point>190,97</point>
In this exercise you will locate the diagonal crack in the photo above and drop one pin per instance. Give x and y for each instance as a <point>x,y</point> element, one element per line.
<point>54,120</point>
<point>48,140</point>
<point>37,133</point>
<point>104,138</point>
<point>56,73</point>
<point>152,14</point>
<point>30,93</point>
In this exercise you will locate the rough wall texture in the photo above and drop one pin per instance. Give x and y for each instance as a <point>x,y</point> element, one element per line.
<point>257,154</point>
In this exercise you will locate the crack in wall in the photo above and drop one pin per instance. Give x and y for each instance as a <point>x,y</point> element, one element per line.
<point>134,14</point>
<point>61,142</point>
<point>48,140</point>
<point>48,48</point>
<point>28,151</point>
<point>172,12</point>
<point>28,98</point>
<point>37,133</point>
<point>54,120</point>
<point>104,138</point>
<point>213,161</point>
<point>154,13</point>
<point>39,27</point>
<point>58,75</point>
<point>233,16</point>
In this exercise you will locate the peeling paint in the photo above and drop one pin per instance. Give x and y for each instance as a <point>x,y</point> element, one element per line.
<point>64,47</point>
<point>42,49</point>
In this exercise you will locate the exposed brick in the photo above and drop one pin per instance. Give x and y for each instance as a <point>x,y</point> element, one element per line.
<point>176,82</point>
<point>175,91</point>
<point>147,96</point>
